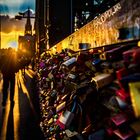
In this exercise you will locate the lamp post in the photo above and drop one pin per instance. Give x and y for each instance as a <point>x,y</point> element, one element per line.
<point>46,22</point>
<point>23,15</point>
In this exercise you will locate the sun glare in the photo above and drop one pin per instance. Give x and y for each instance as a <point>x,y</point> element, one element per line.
<point>10,39</point>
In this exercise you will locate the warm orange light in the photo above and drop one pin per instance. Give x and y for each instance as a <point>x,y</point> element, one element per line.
<point>24,88</point>
<point>10,39</point>
<point>16,114</point>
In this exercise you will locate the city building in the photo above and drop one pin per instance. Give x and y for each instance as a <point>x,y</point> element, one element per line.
<point>55,20</point>
<point>27,42</point>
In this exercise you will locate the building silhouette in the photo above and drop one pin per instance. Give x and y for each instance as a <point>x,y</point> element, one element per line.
<point>65,17</point>
<point>27,42</point>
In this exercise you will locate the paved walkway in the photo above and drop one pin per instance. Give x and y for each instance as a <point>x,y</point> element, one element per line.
<point>21,122</point>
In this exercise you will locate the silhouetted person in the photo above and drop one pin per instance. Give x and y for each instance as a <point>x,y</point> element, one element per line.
<point>24,60</point>
<point>9,68</point>
<point>33,63</point>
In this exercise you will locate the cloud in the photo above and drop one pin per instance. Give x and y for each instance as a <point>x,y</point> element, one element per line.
<point>12,7</point>
<point>12,2</point>
<point>10,24</point>
<point>4,9</point>
<point>27,5</point>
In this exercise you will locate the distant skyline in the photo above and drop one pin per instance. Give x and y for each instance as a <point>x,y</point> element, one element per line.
<point>10,27</point>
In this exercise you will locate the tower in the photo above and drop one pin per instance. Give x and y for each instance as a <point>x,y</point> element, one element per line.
<point>27,42</point>
<point>28,26</point>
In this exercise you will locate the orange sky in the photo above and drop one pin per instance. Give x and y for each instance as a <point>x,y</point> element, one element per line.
<point>11,30</point>
<point>10,39</point>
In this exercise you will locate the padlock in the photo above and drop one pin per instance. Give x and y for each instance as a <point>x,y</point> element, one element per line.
<point>91,65</point>
<point>41,65</point>
<point>120,119</point>
<point>132,56</point>
<point>97,135</point>
<point>125,133</point>
<point>109,132</point>
<point>82,77</point>
<point>123,94</point>
<point>134,89</point>
<point>69,63</point>
<point>109,71</point>
<point>106,65</point>
<point>70,133</point>
<point>66,58</point>
<point>135,77</point>
<point>102,80</point>
<point>70,86</point>
<point>60,107</point>
<point>67,81</point>
<point>72,77</point>
<point>112,55</point>
<point>121,73</point>
<point>92,61</point>
<point>50,114</point>
<point>84,46</point>
<point>122,104</point>
<point>65,119</point>
<point>118,65</point>
<point>111,103</point>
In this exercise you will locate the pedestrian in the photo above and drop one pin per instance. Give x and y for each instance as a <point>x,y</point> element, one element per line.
<point>9,67</point>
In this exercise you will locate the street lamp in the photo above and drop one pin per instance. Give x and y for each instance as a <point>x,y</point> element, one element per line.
<point>25,14</point>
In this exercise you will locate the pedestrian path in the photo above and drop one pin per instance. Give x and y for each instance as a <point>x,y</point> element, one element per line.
<point>21,121</point>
